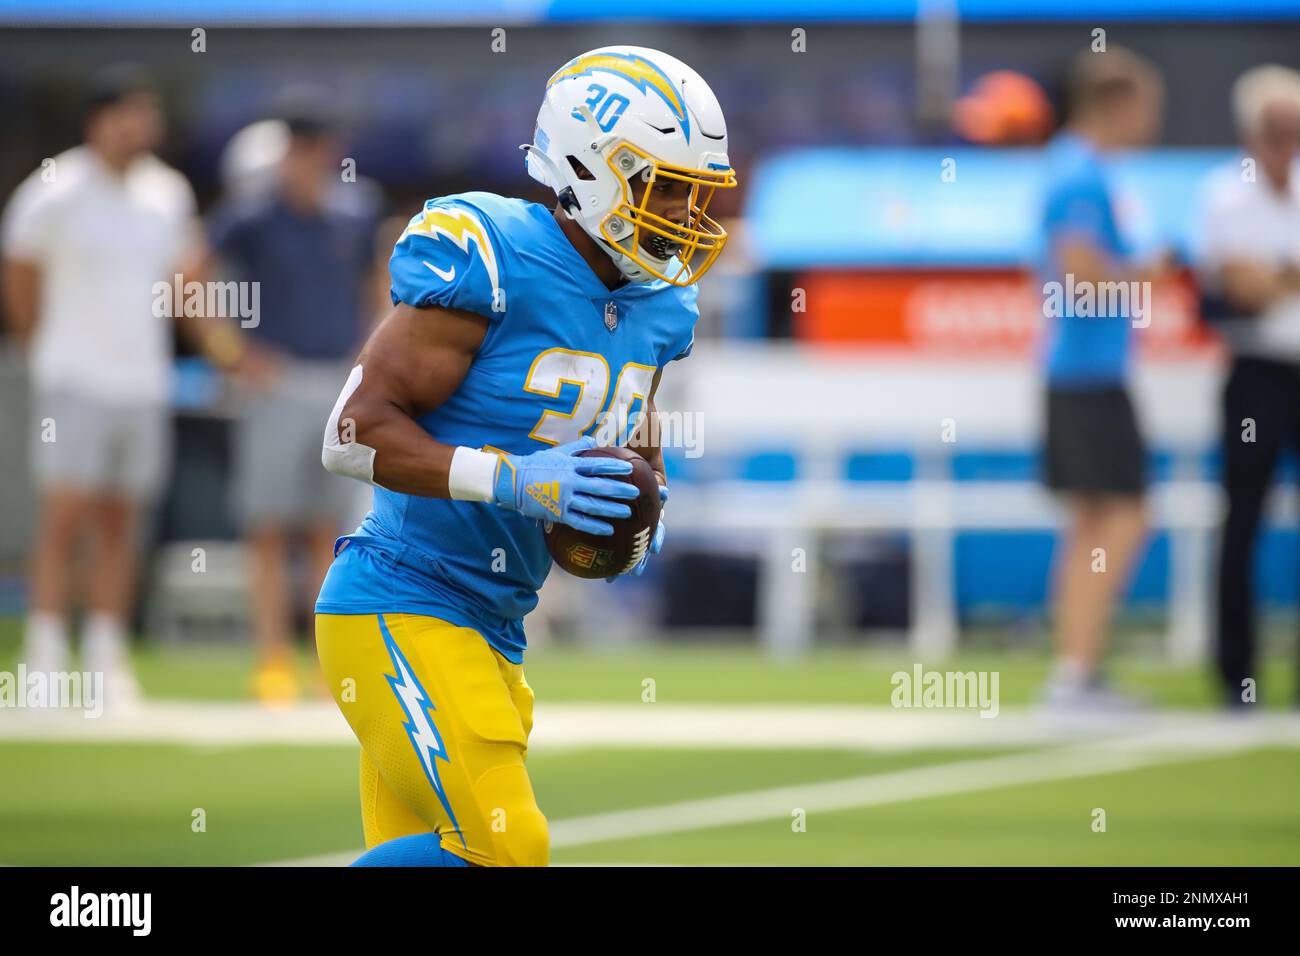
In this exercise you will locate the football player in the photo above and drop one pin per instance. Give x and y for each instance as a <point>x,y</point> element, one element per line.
<point>517,333</point>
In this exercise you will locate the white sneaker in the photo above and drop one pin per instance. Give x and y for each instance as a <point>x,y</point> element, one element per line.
<point>1093,696</point>
<point>104,650</point>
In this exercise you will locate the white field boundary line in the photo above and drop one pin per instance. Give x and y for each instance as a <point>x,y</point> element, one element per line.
<point>560,727</point>
<point>872,790</point>
<point>949,779</point>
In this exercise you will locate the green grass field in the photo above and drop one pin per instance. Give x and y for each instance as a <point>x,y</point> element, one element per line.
<point>711,673</point>
<point>134,803</point>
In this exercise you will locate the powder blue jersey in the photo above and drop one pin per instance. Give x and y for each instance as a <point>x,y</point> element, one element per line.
<point>563,357</point>
<point>1081,351</point>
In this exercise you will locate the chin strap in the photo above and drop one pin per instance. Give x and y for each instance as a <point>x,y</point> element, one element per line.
<point>629,266</point>
<point>626,264</point>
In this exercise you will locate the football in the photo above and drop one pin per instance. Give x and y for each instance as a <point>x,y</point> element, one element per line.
<point>595,556</point>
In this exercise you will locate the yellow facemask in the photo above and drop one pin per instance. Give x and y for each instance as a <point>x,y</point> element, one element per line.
<point>692,247</point>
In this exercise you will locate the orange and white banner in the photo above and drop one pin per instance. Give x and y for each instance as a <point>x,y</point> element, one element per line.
<point>980,314</point>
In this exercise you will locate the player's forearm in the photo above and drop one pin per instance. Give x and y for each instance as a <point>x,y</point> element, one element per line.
<point>656,458</point>
<point>646,440</point>
<point>402,456</point>
<point>648,448</point>
<point>413,362</point>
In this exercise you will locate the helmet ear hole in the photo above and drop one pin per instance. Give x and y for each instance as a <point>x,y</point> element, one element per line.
<point>579,170</point>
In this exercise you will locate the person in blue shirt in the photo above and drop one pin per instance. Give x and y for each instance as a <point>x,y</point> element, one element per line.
<point>306,241</point>
<point>1094,298</point>
<point>519,333</point>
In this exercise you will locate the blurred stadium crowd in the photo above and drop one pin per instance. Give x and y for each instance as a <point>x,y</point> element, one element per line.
<point>292,159</point>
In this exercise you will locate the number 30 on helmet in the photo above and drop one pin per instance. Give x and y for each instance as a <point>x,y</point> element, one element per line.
<point>614,123</point>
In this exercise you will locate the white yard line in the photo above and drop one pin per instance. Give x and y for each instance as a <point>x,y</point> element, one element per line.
<point>872,790</point>
<point>567,726</point>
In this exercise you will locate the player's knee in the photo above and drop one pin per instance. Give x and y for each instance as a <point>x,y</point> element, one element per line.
<point>531,844</point>
<point>517,829</point>
<point>525,839</point>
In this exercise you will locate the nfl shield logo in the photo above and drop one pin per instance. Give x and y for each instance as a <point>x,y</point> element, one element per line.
<point>611,316</point>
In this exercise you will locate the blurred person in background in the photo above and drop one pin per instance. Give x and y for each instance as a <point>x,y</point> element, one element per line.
<point>1095,459</point>
<point>307,236</point>
<point>1250,262</point>
<point>85,239</point>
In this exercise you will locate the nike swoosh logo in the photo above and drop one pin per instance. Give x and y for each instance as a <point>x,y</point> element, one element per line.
<point>446,275</point>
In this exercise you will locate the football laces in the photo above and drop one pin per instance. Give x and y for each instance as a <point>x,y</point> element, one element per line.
<point>640,544</point>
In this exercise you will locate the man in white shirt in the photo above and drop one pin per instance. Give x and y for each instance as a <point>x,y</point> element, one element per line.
<point>85,239</point>
<point>1250,261</point>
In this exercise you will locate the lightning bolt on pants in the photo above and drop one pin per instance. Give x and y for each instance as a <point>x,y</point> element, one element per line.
<point>443,721</point>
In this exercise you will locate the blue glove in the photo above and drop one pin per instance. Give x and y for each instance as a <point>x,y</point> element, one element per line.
<point>656,543</point>
<point>557,485</point>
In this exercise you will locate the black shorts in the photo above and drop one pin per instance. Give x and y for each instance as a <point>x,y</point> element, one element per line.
<point>1094,447</point>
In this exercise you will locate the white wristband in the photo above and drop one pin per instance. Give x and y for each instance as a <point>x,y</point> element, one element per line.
<point>472,476</point>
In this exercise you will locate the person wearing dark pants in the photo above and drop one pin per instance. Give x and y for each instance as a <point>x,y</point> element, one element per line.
<point>1261,412</point>
<point>1250,262</point>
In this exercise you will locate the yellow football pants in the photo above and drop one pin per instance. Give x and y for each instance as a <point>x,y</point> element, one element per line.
<point>443,721</point>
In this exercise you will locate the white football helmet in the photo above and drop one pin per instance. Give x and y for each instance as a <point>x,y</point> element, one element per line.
<point>613,122</point>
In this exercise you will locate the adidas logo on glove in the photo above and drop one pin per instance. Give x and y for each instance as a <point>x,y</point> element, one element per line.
<point>547,494</point>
